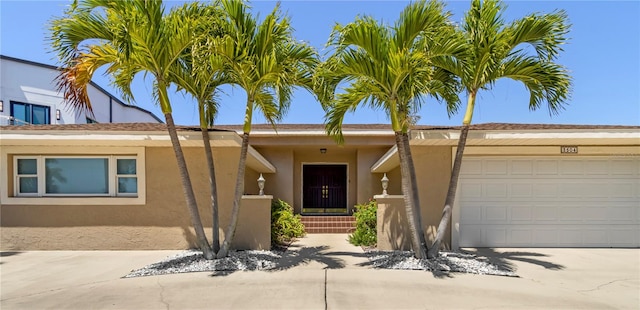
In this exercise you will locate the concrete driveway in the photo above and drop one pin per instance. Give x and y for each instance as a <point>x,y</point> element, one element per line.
<point>329,274</point>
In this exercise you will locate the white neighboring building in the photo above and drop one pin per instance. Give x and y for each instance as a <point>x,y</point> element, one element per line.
<point>28,95</point>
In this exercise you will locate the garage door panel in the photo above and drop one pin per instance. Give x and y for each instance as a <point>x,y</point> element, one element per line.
<point>622,190</point>
<point>472,215</point>
<point>623,167</point>
<point>520,215</point>
<point>497,235</point>
<point>545,214</point>
<point>473,234</point>
<point>522,167</point>
<point>595,215</point>
<point>471,167</point>
<point>470,190</point>
<point>622,214</point>
<point>495,167</point>
<point>551,202</point>
<point>598,167</point>
<point>546,167</point>
<point>495,190</point>
<point>624,236</point>
<point>521,236</point>
<point>545,237</point>
<point>597,236</point>
<point>570,237</point>
<point>571,167</point>
<point>545,190</point>
<point>570,215</point>
<point>572,190</point>
<point>521,190</point>
<point>496,213</point>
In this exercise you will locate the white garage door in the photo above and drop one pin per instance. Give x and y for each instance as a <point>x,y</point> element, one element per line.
<point>550,202</point>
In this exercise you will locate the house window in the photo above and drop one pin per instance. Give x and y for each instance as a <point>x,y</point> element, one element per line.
<point>126,176</point>
<point>76,176</point>
<point>27,176</point>
<point>26,113</point>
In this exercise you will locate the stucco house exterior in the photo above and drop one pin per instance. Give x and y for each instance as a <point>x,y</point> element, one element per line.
<point>522,185</point>
<point>28,95</point>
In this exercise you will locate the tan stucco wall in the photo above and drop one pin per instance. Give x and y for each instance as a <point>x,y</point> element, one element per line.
<point>161,223</point>
<point>392,231</point>
<point>279,184</point>
<point>254,224</point>
<point>368,183</point>
<point>433,171</point>
<point>395,181</point>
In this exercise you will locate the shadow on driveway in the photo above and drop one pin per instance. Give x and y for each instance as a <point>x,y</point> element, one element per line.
<point>503,259</point>
<point>7,254</point>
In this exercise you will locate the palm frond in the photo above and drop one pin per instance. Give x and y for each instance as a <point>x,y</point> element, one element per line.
<point>390,68</point>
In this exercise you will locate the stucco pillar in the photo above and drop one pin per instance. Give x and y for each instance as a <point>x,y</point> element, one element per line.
<point>254,223</point>
<point>393,232</point>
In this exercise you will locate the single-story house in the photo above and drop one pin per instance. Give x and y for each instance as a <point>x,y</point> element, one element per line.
<point>116,186</point>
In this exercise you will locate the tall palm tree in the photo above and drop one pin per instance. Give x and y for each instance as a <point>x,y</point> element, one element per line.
<point>498,50</point>
<point>265,61</point>
<point>391,68</point>
<point>199,73</point>
<point>129,37</point>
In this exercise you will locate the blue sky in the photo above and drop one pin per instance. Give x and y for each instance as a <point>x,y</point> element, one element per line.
<point>603,56</point>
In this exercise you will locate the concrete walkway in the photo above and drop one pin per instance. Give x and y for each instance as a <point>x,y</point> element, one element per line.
<point>322,272</point>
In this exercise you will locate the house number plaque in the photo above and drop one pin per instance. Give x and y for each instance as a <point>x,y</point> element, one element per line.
<point>569,149</point>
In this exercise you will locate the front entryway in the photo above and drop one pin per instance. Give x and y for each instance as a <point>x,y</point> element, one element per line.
<point>324,188</point>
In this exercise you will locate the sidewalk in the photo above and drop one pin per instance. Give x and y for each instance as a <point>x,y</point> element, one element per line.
<point>323,272</point>
<point>324,251</point>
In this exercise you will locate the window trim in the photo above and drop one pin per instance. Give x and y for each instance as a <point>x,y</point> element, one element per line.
<point>18,176</point>
<point>118,176</point>
<point>30,116</point>
<point>41,174</point>
<point>8,153</point>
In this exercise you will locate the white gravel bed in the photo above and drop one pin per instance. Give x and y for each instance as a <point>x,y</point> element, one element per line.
<point>193,261</point>
<point>447,262</point>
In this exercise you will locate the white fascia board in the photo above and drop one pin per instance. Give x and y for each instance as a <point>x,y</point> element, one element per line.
<point>299,133</point>
<point>530,134</point>
<point>261,165</point>
<point>141,137</point>
<point>389,159</point>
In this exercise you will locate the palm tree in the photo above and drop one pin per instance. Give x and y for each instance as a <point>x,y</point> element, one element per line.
<point>129,37</point>
<point>265,61</point>
<point>498,50</point>
<point>199,73</point>
<point>391,68</point>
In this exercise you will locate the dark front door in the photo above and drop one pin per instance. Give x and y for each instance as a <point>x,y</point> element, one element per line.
<point>324,188</point>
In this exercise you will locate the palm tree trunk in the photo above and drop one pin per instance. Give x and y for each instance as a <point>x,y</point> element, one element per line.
<point>215,243</point>
<point>411,197</point>
<point>201,238</point>
<point>451,194</point>
<point>231,229</point>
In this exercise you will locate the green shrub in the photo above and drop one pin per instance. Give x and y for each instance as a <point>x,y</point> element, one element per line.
<point>284,224</point>
<point>366,223</point>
